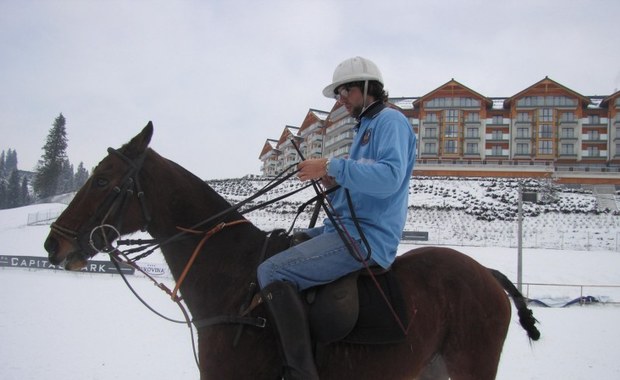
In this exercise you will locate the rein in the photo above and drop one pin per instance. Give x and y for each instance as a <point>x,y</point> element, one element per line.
<point>150,246</point>
<point>116,202</point>
<point>202,242</point>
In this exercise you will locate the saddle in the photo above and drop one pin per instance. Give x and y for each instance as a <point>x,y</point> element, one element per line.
<point>353,310</point>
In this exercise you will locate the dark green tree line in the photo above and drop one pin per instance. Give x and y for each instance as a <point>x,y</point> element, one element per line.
<point>53,175</point>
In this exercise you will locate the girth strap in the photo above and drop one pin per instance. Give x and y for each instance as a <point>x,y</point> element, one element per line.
<point>230,319</point>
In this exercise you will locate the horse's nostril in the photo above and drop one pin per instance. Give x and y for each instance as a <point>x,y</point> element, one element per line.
<point>51,246</point>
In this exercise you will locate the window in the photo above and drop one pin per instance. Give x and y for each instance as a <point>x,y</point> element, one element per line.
<point>496,150</point>
<point>568,133</point>
<point>524,117</point>
<point>545,114</point>
<point>497,120</point>
<point>545,131</point>
<point>471,148</point>
<point>523,133</point>
<point>545,147</point>
<point>430,133</point>
<point>430,118</point>
<point>472,133</point>
<point>568,117</point>
<point>549,101</point>
<point>452,116</point>
<point>472,117</point>
<point>593,151</point>
<point>430,148</point>
<point>594,119</point>
<point>450,147</point>
<point>452,102</point>
<point>523,149</point>
<point>497,135</point>
<point>567,149</point>
<point>452,130</point>
<point>594,135</point>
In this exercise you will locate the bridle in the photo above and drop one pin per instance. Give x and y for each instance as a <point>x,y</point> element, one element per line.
<point>116,201</point>
<point>108,221</point>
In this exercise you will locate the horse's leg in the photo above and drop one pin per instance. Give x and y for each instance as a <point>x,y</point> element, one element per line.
<point>473,352</point>
<point>435,370</point>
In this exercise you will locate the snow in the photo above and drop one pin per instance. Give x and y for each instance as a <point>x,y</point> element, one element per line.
<point>76,326</point>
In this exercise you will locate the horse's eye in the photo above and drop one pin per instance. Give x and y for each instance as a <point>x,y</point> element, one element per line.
<point>101,182</point>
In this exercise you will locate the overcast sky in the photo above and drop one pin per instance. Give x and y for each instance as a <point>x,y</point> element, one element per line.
<point>218,78</point>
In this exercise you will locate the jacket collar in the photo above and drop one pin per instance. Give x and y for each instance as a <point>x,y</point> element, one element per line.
<point>370,112</point>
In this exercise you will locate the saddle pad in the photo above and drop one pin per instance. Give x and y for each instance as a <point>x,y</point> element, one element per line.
<point>353,310</point>
<point>376,323</point>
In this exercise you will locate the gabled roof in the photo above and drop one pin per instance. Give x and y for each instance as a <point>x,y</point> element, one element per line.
<point>452,86</point>
<point>270,144</point>
<point>605,101</point>
<point>321,115</point>
<point>546,84</point>
<point>288,132</point>
<point>313,116</point>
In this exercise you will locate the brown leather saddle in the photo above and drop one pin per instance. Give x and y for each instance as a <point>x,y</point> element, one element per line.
<point>352,309</point>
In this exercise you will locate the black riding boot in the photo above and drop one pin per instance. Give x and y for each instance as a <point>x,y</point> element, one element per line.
<point>291,324</point>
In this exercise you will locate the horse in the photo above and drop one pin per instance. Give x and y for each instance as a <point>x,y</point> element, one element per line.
<point>460,311</point>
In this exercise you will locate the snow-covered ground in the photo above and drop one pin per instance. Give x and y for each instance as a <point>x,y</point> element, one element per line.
<point>77,326</point>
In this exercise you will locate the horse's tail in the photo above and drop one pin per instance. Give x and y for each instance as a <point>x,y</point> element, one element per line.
<point>526,317</point>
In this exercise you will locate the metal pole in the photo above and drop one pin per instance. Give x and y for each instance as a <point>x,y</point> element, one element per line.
<point>520,238</point>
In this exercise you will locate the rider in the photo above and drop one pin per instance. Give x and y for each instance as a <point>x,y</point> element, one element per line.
<point>376,176</point>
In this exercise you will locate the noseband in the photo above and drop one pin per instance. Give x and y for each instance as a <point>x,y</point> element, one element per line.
<point>116,201</point>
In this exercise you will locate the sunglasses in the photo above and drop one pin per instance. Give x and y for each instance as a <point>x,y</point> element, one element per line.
<point>343,92</point>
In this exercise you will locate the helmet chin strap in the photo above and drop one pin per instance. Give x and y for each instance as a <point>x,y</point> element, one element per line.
<point>365,96</point>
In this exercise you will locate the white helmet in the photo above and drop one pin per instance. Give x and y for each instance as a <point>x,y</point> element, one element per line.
<point>353,70</point>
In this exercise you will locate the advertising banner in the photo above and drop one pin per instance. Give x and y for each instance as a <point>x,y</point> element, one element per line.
<point>35,262</point>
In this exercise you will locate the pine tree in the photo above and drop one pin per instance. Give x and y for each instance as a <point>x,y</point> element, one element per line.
<point>65,182</point>
<point>10,162</point>
<point>81,176</point>
<point>49,169</point>
<point>2,194</point>
<point>2,165</point>
<point>13,189</point>
<point>24,194</point>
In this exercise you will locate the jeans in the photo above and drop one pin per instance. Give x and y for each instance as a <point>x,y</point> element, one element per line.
<point>320,260</point>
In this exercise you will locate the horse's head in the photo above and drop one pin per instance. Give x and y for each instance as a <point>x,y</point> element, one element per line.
<point>110,204</point>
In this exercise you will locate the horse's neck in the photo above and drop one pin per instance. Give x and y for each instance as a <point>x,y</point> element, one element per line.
<point>178,199</point>
<point>217,281</point>
<point>226,264</point>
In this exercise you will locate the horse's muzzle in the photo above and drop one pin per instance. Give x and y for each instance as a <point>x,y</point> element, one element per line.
<point>65,254</point>
<point>51,246</point>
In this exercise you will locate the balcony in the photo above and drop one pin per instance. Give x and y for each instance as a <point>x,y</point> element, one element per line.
<point>567,137</point>
<point>523,136</point>
<point>568,123</point>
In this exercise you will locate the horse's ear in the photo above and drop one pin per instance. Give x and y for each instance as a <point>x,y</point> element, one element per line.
<point>140,142</point>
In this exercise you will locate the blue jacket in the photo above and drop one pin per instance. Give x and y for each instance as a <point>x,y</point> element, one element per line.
<point>377,174</point>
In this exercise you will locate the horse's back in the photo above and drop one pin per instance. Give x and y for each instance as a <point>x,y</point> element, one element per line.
<point>458,297</point>
<point>451,276</point>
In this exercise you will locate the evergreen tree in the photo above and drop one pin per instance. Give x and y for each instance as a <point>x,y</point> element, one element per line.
<point>65,182</point>
<point>10,162</point>
<point>24,194</point>
<point>49,169</point>
<point>81,176</point>
<point>2,165</point>
<point>13,190</point>
<point>2,194</point>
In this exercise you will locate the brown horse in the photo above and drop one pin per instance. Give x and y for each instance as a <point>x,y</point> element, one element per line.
<point>459,309</point>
